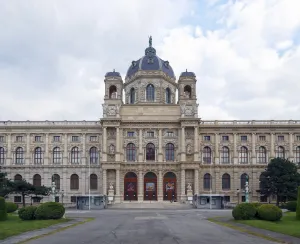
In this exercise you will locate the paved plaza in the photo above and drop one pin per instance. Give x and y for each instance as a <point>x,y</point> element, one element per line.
<point>149,226</point>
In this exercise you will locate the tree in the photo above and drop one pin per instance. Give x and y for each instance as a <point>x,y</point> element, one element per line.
<point>298,205</point>
<point>24,188</point>
<point>40,191</point>
<point>280,179</point>
<point>5,184</point>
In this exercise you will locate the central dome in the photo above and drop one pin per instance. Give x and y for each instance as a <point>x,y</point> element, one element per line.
<point>150,62</point>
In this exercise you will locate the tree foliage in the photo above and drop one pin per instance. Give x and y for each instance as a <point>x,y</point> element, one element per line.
<point>298,205</point>
<point>5,185</point>
<point>280,179</point>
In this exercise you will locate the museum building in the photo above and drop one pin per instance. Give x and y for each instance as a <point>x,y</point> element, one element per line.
<point>149,145</point>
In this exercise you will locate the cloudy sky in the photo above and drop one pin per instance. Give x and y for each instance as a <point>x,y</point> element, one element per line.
<point>54,54</point>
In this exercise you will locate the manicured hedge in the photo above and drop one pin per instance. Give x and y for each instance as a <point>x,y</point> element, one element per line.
<point>269,212</point>
<point>244,211</point>
<point>3,213</point>
<point>27,213</point>
<point>11,207</point>
<point>291,206</point>
<point>50,210</point>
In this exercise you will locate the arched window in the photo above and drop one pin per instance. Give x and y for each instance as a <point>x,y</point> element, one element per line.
<point>244,179</point>
<point>262,178</point>
<point>132,96</point>
<point>226,182</point>
<point>19,155</point>
<point>243,155</point>
<point>297,154</point>
<point>18,177</point>
<point>168,95</point>
<point>93,182</point>
<point>74,182</point>
<point>75,155</point>
<point>170,152</point>
<point>37,180</point>
<point>130,152</point>
<point>187,91</point>
<point>2,155</point>
<point>262,155</point>
<point>150,151</point>
<point>56,180</point>
<point>280,152</point>
<point>225,155</point>
<point>207,155</point>
<point>38,155</point>
<point>113,92</point>
<point>150,92</point>
<point>57,156</point>
<point>207,182</point>
<point>93,155</point>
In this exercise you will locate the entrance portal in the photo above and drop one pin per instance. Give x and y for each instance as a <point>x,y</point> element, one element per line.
<point>150,186</point>
<point>169,187</point>
<point>130,187</point>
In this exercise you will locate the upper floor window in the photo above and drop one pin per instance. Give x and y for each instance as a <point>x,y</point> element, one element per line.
<point>206,138</point>
<point>262,154</point>
<point>280,138</point>
<point>170,151</point>
<point>132,96</point>
<point>243,138</point>
<point>150,92</point>
<point>170,133</point>
<point>225,155</point>
<point>150,134</point>
<point>280,152</point>
<point>2,155</point>
<point>298,138</point>
<point>1,138</point>
<point>38,155</point>
<point>93,155</point>
<point>150,151</point>
<point>168,95</point>
<point>38,138</point>
<point>187,92</point>
<point>225,138</point>
<point>130,152</point>
<point>130,134</point>
<point>113,92</point>
<point>57,155</point>
<point>75,138</point>
<point>262,138</point>
<point>19,156</point>
<point>93,138</point>
<point>19,138</point>
<point>75,155</point>
<point>207,155</point>
<point>56,138</point>
<point>243,156</point>
<point>297,154</point>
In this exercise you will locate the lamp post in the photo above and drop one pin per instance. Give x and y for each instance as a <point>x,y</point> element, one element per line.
<point>53,191</point>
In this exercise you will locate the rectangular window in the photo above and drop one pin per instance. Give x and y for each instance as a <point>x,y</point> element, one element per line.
<point>56,198</point>
<point>93,138</point>
<point>1,138</point>
<point>130,134</point>
<point>36,199</point>
<point>170,134</point>
<point>225,138</point>
<point>280,138</point>
<point>263,199</point>
<point>37,138</point>
<point>75,138</point>
<point>243,199</point>
<point>226,198</point>
<point>73,198</point>
<point>19,138</point>
<point>298,138</point>
<point>17,199</point>
<point>56,138</point>
<point>243,138</point>
<point>206,138</point>
<point>262,138</point>
<point>150,134</point>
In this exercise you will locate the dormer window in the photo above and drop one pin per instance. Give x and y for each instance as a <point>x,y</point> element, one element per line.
<point>150,134</point>
<point>170,134</point>
<point>130,134</point>
<point>150,93</point>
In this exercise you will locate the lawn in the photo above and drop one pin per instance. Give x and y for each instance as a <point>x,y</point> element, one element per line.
<point>14,225</point>
<point>287,225</point>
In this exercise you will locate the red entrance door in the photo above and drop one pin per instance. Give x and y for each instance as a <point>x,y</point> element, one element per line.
<point>130,187</point>
<point>150,187</point>
<point>169,186</point>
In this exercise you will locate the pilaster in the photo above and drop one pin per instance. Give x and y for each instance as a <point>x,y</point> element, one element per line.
<point>272,151</point>
<point>182,180</point>
<point>253,154</point>
<point>291,151</point>
<point>217,156</point>
<point>141,159</point>
<point>65,159</point>
<point>183,150</point>
<point>235,156</point>
<point>46,156</point>
<point>196,181</point>
<point>196,144</point>
<point>104,177</point>
<point>160,154</point>
<point>9,158</point>
<point>83,157</point>
<point>104,149</point>
<point>117,196</point>
<point>140,186</point>
<point>118,144</point>
<point>28,154</point>
<point>160,185</point>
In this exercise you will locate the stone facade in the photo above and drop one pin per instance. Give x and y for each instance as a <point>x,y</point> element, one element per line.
<point>149,114</point>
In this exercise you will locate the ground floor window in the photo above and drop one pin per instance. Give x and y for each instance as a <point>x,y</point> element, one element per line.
<point>17,199</point>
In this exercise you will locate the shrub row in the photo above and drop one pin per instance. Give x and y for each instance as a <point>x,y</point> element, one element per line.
<point>48,210</point>
<point>3,212</point>
<point>11,207</point>
<point>247,211</point>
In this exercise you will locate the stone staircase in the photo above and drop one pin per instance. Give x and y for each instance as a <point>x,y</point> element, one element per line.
<point>150,205</point>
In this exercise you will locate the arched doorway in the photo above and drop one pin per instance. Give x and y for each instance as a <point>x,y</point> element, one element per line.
<point>130,187</point>
<point>169,186</point>
<point>150,186</point>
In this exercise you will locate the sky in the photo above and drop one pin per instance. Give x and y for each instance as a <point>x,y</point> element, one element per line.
<point>54,54</point>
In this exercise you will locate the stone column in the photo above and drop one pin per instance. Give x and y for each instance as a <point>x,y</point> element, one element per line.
<point>272,152</point>
<point>183,196</point>
<point>160,153</point>
<point>28,157</point>
<point>140,186</point>
<point>141,159</point>
<point>66,158</point>
<point>104,177</point>
<point>291,152</point>
<point>196,145</point>
<point>117,196</point>
<point>104,147</point>
<point>118,144</point>
<point>196,181</point>
<point>121,145</point>
<point>160,186</point>
<point>83,156</point>
<point>183,144</point>
<point>46,155</point>
<point>253,148</point>
<point>9,158</point>
<point>235,156</point>
<point>217,157</point>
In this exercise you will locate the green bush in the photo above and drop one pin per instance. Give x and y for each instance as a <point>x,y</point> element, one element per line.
<point>298,205</point>
<point>256,205</point>
<point>50,210</point>
<point>3,213</point>
<point>291,206</point>
<point>27,213</point>
<point>269,212</point>
<point>244,211</point>
<point>11,207</point>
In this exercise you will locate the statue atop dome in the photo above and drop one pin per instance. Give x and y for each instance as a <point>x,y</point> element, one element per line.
<point>150,41</point>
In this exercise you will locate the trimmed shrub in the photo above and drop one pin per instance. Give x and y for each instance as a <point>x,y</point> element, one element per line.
<point>50,210</point>
<point>291,206</point>
<point>269,212</point>
<point>11,207</point>
<point>298,205</point>
<point>244,211</point>
<point>27,213</point>
<point>3,213</point>
<point>256,205</point>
